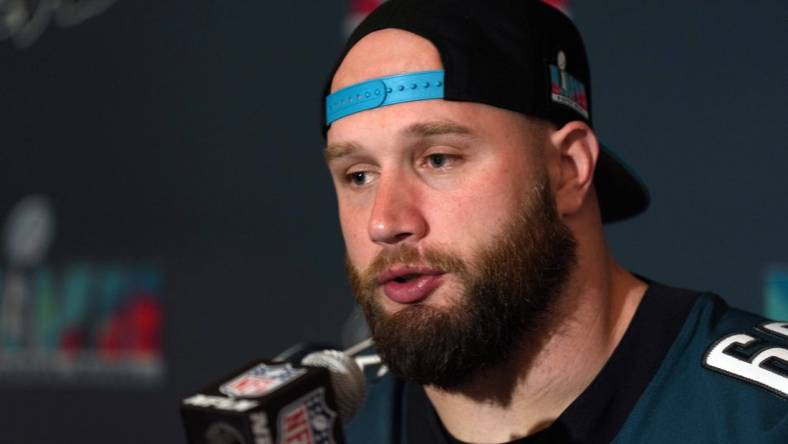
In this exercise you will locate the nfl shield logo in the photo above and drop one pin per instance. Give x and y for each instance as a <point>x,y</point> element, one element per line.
<point>308,420</point>
<point>260,380</point>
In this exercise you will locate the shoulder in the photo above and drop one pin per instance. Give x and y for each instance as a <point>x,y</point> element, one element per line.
<point>724,379</point>
<point>740,345</point>
<point>746,352</point>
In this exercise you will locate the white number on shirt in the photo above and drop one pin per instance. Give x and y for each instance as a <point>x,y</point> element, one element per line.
<point>766,368</point>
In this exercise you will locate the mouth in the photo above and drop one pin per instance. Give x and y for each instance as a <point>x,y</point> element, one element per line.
<point>410,284</point>
<point>404,274</point>
<point>406,278</point>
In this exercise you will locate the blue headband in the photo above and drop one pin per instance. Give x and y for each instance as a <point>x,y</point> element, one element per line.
<point>383,91</point>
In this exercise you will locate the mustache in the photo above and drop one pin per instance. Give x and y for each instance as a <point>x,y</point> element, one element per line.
<point>367,280</point>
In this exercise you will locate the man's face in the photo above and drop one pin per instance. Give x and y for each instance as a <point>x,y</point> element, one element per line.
<point>454,248</point>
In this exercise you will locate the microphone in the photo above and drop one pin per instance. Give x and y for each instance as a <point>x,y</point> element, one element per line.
<point>276,401</point>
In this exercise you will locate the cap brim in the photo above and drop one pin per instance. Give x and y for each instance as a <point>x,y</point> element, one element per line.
<point>621,193</point>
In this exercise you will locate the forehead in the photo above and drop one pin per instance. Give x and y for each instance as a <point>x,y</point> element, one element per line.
<point>392,130</point>
<point>386,52</point>
<point>393,51</point>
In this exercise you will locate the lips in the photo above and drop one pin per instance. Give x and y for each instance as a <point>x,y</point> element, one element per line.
<point>408,285</point>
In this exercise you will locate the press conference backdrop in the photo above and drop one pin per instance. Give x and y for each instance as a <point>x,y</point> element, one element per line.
<point>167,216</point>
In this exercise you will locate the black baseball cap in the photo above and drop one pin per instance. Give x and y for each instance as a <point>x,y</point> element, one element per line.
<point>520,55</point>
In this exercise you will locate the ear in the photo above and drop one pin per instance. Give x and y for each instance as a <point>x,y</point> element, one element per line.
<point>578,151</point>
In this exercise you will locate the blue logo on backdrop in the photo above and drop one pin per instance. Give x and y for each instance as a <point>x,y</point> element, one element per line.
<point>82,322</point>
<point>775,291</point>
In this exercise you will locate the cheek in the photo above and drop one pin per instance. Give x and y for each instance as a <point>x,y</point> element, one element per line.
<point>480,207</point>
<point>353,223</point>
<point>470,222</point>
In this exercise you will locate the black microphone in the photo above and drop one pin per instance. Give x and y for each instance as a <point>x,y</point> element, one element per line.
<point>276,401</point>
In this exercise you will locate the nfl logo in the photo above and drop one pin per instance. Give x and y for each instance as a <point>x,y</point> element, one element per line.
<point>260,380</point>
<point>307,421</point>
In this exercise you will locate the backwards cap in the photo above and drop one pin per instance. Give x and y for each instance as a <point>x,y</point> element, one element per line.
<point>520,55</point>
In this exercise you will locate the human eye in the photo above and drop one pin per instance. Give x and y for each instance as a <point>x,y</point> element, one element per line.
<point>359,178</point>
<point>440,161</point>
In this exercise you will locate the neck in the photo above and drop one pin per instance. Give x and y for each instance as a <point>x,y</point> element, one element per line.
<point>548,372</point>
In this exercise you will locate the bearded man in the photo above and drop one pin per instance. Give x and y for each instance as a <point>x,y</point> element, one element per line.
<point>472,191</point>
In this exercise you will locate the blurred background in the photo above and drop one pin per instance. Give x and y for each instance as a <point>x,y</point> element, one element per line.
<point>166,215</point>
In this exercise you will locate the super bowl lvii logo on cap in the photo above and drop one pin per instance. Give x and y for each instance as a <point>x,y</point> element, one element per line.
<point>565,89</point>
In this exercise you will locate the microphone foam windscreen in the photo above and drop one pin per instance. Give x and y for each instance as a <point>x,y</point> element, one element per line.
<point>347,379</point>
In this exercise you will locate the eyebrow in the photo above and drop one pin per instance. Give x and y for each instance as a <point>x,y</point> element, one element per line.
<point>338,150</point>
<point>436,128</point>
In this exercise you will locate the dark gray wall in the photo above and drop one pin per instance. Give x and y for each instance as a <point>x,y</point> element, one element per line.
<point>692,94</point>
<point>186,133</point>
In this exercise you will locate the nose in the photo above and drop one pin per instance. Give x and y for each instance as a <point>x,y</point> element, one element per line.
<point>396,214</point>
